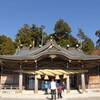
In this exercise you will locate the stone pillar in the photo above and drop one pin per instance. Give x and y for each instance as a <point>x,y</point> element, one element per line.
<point>83,82</point>
<point>36,85</point>
<point>68,84</point>
<point>20,79</point>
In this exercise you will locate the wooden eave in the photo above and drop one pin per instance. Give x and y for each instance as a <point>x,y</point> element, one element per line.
<point>44,50</point>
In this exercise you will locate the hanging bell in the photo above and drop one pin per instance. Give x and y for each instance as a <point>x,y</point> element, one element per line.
<point>38,76</point>
<point>46,77</point>
<point>65,76</point>
<point>57,77</point>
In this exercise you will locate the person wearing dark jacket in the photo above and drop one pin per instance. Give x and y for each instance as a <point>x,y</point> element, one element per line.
<point>59,90</point>
<point>64,86</point>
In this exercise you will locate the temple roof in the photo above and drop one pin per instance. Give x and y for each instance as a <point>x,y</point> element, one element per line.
<point>50,48</point>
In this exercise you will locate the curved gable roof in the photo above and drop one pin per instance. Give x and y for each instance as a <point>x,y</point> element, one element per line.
<point>49,48</point>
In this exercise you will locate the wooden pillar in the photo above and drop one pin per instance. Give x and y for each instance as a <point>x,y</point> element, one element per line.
<point>20,79</point>
<point>99,76</point>
<point>68,84</point>
<point>36,85</point>
<point>83,82</point>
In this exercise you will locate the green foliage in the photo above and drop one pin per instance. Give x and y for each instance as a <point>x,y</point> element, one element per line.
<point>61,28</point>
<point>6,46</point>
<point>35,36</point>
<point>73,41</point>
<point>23,36</point>
<point>86,44</point>
<point>81,34</point>
<point>30,35</point>
<point>62,34</point>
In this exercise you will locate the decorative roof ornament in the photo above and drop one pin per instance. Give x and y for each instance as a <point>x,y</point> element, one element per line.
<point>21,46</point>
<point>67,46</point>
<point>52,56</point>
<point>35,62</point>
<point>51,38</point>
<point>77,46</point>
<point>70,61</point>
<point>30,46</point>
<point>40,46</point>
<point>51,46</point>
<point>25,61</point>
<point>79,60</point>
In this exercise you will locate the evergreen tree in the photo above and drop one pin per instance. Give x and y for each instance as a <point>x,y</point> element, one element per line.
<point>7,46</point>
<point>86,44</point>
<point>30,35</point>
<point>63,34</point>
<point>23,36</point>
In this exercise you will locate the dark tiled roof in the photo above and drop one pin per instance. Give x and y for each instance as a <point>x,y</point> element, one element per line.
<point>50,48</point>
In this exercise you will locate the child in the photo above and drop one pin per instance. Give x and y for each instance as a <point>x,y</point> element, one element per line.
<point>59,89</point>
<point>46,87</point>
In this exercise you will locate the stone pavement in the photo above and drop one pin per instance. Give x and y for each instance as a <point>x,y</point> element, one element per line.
<point>29,95</point>
<point>84,98</point>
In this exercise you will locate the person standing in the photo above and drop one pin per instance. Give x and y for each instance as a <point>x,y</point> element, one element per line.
<point>53,89</point>
<point>46,87</point>
<point>59,90</point>
<point>64,86</point>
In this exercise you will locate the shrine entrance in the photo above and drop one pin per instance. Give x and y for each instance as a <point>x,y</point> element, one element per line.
<point>73,80</point>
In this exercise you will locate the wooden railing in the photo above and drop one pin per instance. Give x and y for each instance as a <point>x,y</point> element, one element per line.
<point>12,87</point>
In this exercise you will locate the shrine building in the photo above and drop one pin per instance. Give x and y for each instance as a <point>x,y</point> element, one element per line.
<point>29,68</point>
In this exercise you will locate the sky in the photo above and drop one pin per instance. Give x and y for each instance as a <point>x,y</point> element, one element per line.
<point>84,14</point>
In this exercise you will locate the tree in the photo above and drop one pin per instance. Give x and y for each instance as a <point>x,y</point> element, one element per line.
<point>63,34</point>
<point>23,36</point>
<point>38,35</point>
<point>86,44</point>
<point>7,46</point>
<point>42,34</point>
<point>97,33</point>
<point>81,36</point>
<point>61,28</point>
<point>30,35</point>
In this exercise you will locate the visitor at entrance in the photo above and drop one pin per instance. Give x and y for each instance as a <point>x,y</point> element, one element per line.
<point>53,89</point>
<point>59,90</point>
<point>63,86</point>
<point>46,87</point>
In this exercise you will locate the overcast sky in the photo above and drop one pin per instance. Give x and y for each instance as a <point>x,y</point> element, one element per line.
<point>84,14</point>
